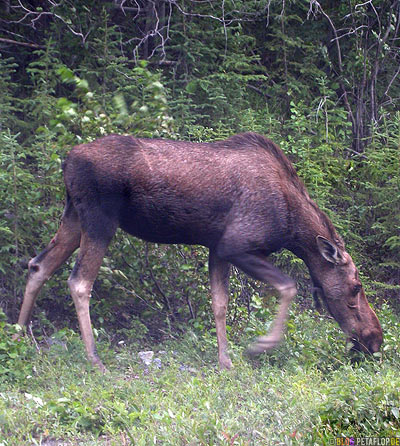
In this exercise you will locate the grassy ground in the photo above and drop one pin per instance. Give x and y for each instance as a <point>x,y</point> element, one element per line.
<point>307,392</point>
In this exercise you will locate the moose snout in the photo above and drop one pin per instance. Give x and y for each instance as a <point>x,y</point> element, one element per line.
<point>369,341</point>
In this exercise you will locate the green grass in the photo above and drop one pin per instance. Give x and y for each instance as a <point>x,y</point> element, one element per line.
<point>308,391</point>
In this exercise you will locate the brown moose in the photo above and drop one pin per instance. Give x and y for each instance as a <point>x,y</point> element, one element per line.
<point>241,198</point>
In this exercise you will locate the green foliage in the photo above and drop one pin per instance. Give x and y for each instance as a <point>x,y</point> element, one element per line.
<point>15,354</point>
<point>30,197</point>
<point>89,115</point>
<point>43,83</point>
<point>8,105</point>
<point>309,391</point>
<point>372,196</point>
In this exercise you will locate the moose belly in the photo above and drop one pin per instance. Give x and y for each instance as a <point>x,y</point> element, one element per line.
<point>166,222</point>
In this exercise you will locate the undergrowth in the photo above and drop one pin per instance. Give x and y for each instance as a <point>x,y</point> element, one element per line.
<point>308,391</point>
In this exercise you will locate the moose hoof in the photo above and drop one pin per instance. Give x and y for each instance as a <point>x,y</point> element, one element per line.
<point>225,363</point>
<point>96,363</point>
<point>262,345</point>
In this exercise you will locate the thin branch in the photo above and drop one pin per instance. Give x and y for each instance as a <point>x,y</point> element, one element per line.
<point>161,292</point>
<point>339,55</point>
<point>189,303</point>
<point>191,14</point>
<point>15,42</point>
<point>391,82</point>
<point>34,16</point>
<point>259,91</point>
<point>363,4</point>
<point>350,32</point>
<point>354,152</point>
<point>241,16</point>
<point>33,337</point>
<point>124,8</point>
<point>390,101</point>
<point>158,29</point>
<point>225,30</point>
<point>134,294</point>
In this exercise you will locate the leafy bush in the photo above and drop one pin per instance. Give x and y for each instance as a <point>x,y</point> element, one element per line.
<point>15,355</point>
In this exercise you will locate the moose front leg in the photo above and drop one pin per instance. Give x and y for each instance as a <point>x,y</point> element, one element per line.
<point>274,337</point>
<point>219,284</point>
<point>255,265</point>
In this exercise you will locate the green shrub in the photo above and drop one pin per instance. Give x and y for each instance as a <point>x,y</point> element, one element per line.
<point>16,354</point>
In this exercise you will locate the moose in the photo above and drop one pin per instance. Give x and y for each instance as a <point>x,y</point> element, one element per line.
<point>240,197</point>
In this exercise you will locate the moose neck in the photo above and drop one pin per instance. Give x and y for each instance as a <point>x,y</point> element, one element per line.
<point>313,261</point>
<point>309,223</point>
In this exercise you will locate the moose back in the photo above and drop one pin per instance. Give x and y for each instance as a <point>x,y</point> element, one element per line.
<point>241,198</point>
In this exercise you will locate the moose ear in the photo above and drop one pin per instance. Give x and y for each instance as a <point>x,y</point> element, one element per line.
<point>329,250</point>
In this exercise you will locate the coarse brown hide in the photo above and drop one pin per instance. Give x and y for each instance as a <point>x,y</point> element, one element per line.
<point>241,198</point>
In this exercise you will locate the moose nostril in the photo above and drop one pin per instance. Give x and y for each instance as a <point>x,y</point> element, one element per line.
<point>376,342</point>
<point>372,339</point>
<point>375,346</point>
<point>34,268</point>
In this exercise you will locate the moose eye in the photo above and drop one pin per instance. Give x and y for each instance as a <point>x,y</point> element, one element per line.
<point>356,289</point>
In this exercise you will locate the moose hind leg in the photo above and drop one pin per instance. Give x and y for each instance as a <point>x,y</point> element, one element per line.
<point>43,266</point>
<point>219,283</point>
<point>255,265</point>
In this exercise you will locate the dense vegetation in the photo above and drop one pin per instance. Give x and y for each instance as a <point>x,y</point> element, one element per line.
<point>307,392</point>
<point>320,79</point>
